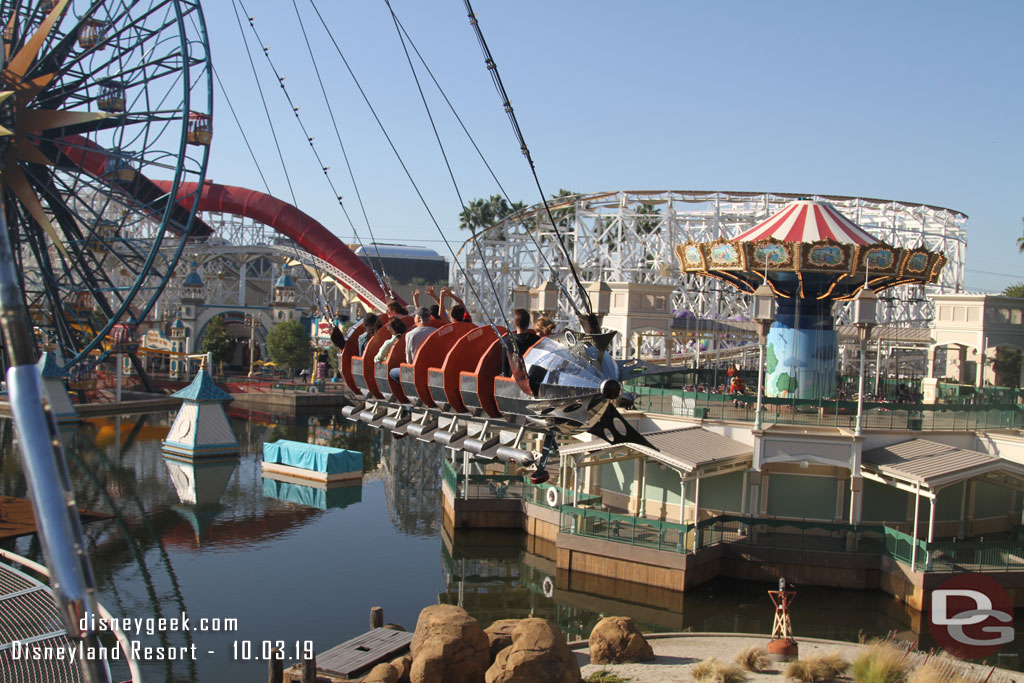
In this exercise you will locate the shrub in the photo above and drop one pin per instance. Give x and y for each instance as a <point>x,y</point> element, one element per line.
<point>881,662</point>
<point>940,670</point>
<point>818,668</point>
<point>754,659</point>
<point>714,671</point>
<point>605,676</point>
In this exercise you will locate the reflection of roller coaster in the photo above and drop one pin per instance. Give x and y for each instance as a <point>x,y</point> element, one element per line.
<point>412,476</point>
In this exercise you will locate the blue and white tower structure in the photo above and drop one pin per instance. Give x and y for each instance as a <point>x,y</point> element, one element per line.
<point>193,293</point>
<point>201,428</point>
<point>283,305</point>
<point>179,344</point>
<point>55,390</point>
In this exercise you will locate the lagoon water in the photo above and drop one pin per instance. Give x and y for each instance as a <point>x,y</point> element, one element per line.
<point>291,564</point>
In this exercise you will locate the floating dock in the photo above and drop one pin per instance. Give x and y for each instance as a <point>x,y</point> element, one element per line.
<point>354,658</point>
<point>311,462</point>
<point>18,519</point>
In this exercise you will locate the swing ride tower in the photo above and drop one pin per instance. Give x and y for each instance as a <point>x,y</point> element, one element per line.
<point>811,256</point>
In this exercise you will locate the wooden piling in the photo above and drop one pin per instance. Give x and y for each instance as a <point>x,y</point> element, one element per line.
<point>376,617</point>
<point>275,668</point>
<point>309,669</point>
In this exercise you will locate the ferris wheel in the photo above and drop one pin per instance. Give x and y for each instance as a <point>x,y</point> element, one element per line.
<point>98,100</point>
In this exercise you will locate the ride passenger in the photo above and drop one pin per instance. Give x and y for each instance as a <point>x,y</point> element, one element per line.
<point>395,308</point>
<point>414,338</point>
<point>459,312</point>
<point>397,328</point>
<point>544,327</point>
<point>371,323</point>
<point>524,337</point>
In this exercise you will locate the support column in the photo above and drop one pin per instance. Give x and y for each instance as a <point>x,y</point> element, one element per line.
<point>682,498</point>
<point>696,512</point>
<point>856,498</point>
<point>642,507</point>
<point>931,519</point>
<point>913,549</point>
<point>242,272</point>
<point>575,485</point>
<point>744,495</point>
<point>961,529</point>
<point>755,493</point>
<point>465,475</point>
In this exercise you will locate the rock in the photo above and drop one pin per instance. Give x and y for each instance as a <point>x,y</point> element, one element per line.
<point>448,647</point>
<point>402,665</point>
<point>616,640</point>
<point>538,653</point>
<point>382,673</point>
<point>500,635</point>
<point>394,627</point>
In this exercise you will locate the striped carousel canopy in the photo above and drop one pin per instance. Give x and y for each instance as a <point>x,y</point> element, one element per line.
<point>808,221</point>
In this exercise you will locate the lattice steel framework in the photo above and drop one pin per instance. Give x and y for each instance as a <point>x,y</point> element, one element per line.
<point>239,243</point>
<point>630,236</point>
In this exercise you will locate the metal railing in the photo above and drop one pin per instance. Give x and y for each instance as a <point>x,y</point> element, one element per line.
<point>829,412</point>
<point>589,520</point>
<point>631,530</point>
<point>498,486</point>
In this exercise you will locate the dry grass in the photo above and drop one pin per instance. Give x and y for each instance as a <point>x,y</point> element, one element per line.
<point>754,659</point>
<point>942,670</point>
<point>605,676</point>
<point>715,671</point>
<point>818,668</point>
<point>881,662</point>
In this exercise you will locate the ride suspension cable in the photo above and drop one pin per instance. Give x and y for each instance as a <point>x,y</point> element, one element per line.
<point>325,169</point>
<point>519,215</point>
<point>344,153</point>
<point>451,173</point>
<point>391,143</point>
<point>507,104</point>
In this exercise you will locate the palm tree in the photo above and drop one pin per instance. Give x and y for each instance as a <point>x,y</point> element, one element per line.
<point>478,214</point>
<point>1016,290</point>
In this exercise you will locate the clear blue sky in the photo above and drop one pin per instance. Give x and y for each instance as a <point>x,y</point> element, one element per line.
<point>912,101</point>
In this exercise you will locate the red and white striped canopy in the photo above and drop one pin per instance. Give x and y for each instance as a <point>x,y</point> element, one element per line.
<point>808,221</point>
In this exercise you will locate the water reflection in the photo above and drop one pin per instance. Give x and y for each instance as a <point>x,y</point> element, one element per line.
<point>502,575</point>
<point>200,485</point>
<point>218,539</point>
<point>411,470</point>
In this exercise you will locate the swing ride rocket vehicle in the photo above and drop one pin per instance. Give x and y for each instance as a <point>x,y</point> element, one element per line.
<point>454,393</point>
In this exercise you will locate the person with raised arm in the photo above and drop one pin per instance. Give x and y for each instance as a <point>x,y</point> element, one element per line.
<point>459,312</point>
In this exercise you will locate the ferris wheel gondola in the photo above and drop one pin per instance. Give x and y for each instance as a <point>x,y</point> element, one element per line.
<point>97,100</point>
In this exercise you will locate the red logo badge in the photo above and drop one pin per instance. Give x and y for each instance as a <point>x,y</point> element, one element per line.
<point>970,616</point>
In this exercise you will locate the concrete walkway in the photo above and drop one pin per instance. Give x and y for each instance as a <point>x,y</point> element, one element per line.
<point>677,653</point>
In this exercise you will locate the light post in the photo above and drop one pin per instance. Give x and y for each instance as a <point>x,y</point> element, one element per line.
<point>763,311</point>
<point>251,319</point>
<point>865,316</point>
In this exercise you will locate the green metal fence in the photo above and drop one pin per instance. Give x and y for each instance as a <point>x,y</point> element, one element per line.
<point>631,530</point>
<point>763,532</point>
<point>518,486</point>
<point>829,412</point>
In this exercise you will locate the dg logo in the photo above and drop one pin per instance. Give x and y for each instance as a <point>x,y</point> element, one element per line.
<point>970,616</point>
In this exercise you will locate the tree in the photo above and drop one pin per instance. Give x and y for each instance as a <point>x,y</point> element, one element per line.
<point>1015,290</point>
<point>481,214</point>
<point>217,341</point>
<point>288,344</point>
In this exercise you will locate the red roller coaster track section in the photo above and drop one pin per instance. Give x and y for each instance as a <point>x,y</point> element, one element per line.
<point>298,226</point>
<point>286,219</point>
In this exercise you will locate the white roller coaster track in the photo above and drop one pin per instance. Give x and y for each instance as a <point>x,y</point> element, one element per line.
<point>630,236</point>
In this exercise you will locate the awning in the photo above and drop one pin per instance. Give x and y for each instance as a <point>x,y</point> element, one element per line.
<point>932,465</point>
<point>687,450</point>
